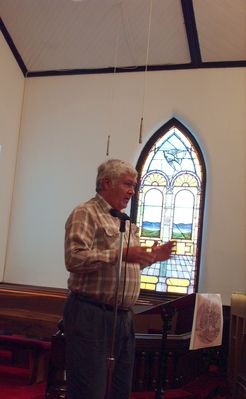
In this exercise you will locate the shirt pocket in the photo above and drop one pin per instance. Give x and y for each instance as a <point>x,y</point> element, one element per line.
<point>108,237</point>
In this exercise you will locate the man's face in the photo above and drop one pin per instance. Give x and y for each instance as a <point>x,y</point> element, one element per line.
<point>119,193</point>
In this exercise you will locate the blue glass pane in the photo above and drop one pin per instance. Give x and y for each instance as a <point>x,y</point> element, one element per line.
<point>152,210</point>
<point>183,215</point>
<point>173,153</point>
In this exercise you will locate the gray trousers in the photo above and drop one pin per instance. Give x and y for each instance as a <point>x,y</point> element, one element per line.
<point>88,333</point>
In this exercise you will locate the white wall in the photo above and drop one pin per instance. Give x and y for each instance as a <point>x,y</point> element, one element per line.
<point>65,124</point>
<point>11,94</point>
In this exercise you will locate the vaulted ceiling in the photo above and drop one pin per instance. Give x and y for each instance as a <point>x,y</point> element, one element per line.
<point>52,37</point>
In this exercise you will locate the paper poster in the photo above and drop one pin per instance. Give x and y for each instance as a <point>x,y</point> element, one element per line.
<point>207,324</point>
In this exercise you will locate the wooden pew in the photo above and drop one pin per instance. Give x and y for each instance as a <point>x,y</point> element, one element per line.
<point>28,319</point>
<point>29,310</point>
<point>37,352</point>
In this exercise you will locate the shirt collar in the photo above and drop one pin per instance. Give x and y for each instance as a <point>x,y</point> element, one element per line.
<point>104,204</point>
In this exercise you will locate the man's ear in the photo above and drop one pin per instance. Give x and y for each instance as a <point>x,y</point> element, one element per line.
<point>107,182</point>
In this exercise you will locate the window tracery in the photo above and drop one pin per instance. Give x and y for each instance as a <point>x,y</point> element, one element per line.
<point>169,205</point>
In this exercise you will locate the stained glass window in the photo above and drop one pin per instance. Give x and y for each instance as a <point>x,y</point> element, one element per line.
<point>169,206</point>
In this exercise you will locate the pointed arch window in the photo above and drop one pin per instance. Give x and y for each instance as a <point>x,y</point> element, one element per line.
<point>169,205</point>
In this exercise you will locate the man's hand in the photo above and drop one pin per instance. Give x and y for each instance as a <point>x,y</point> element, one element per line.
<point>146,256</point>
<point>163,252</point>
<point>142,255</point>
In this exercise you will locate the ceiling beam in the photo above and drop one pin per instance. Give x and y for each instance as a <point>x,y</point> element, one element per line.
<point>191,32</point>
<point>203,65</point>
<point>13,48</point>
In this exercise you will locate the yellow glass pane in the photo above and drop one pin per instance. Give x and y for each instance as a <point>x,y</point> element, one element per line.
<point>178,282</point>
<point>186,179</point>
<point>184,248</point>
<point>181,290</point>
<point>180,248</point>
<point>149,279</point>
<point>146,286</point>
<point>150,287</point>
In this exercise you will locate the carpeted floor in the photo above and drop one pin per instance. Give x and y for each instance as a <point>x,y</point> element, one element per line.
<point>207,386</point>
<point>14,385</point>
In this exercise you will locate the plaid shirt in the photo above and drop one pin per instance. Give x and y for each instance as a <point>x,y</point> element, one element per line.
<point>92,236</point>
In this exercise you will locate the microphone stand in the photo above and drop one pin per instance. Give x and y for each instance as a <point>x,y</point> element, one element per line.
<point>160,392</point>
<point>111,359</point>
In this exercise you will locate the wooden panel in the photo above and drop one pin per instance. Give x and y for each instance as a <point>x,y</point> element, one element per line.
<point>240,388</point>
<point>30,311</point>
<point>34,311</point>
<point>236,363</point>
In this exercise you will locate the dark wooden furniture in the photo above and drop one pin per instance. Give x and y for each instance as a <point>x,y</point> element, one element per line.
<point>28,319</point>
<point>56,378</point>
<point>36,350</point>
<point>180,365</point>
<point>237,346</point>
<point>151,348</point>
<point>34,312</point>
<point>29,310</point>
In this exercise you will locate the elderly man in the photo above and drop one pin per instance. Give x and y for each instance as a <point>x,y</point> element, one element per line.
<point>91,255</point>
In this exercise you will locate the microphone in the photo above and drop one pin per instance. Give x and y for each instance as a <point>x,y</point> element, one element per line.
<point>119,215</point>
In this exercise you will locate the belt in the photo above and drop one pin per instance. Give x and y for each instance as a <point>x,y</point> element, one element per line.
<point>92,301</point>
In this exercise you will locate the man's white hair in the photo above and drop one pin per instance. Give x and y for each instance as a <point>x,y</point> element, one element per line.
<point>114,169</point>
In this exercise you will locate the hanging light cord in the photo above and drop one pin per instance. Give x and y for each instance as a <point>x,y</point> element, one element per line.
<point>116,48</point>
<point>145,71</point>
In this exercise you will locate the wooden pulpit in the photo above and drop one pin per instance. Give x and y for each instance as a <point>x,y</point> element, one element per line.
<point>163,334</point>
<point>163,331</point>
